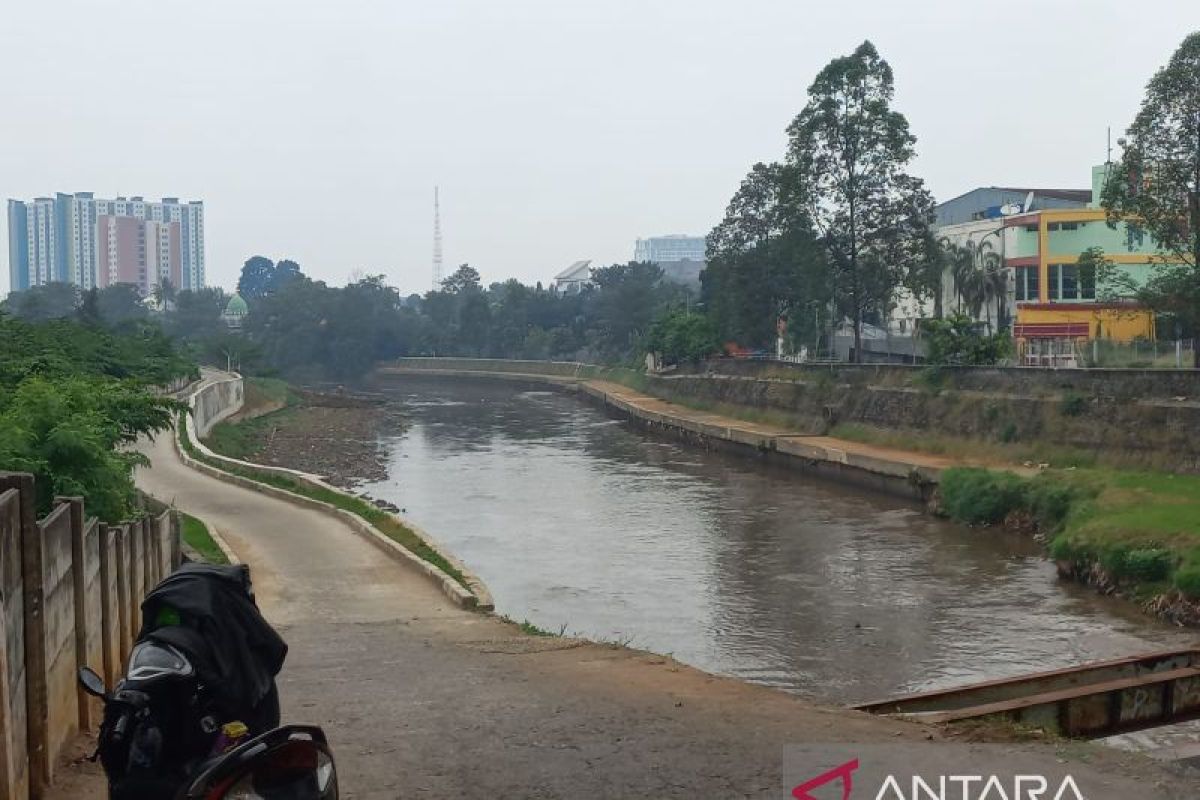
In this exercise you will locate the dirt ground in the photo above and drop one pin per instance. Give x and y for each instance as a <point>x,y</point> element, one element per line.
<point>334,436</point>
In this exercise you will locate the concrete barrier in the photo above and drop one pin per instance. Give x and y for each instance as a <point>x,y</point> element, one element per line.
<point>66,602</point>
<point>216,400</point>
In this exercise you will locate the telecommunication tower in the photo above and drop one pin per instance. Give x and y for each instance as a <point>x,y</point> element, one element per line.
<point>437,242</point>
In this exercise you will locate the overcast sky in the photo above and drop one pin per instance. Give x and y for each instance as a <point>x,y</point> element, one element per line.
<point>556,130</point>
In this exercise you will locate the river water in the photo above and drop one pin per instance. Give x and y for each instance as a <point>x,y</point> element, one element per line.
<point>579,522</point>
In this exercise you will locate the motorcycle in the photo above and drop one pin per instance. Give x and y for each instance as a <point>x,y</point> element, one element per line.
<point>292,762</point>
<point>196,714</point>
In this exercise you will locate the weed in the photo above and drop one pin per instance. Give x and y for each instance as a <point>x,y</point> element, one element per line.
<point>195,534</point>
<point>1072,404</point>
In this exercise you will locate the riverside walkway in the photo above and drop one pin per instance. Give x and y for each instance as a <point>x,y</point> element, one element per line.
<point>423,699</point>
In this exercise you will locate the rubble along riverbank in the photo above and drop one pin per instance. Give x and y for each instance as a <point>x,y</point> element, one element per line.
<point>334,434</point>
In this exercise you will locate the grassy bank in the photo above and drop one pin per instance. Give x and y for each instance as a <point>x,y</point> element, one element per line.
<point>381,520</point>
<point>268,403</point>
<point>195,535</point>
<point>1138,532</point>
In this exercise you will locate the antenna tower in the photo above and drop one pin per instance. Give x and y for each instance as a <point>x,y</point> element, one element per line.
<point>437,242</point>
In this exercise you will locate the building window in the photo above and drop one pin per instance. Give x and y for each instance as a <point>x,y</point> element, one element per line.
<point>1031,228</point>
<point>1070,226</point>
<point>1026,279</point>
<point>1087,282</point>
<point>1070,282</point>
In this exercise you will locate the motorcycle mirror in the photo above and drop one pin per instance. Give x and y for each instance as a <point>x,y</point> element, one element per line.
<point>92,683</point>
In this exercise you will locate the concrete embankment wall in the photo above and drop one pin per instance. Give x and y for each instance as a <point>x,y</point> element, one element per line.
<point>216,401</point>
<point>896,475</point>
<point>70,595</point>
<point>1136,417</point>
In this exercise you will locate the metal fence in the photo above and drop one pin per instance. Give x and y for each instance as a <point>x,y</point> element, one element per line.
<point>1105,353</point>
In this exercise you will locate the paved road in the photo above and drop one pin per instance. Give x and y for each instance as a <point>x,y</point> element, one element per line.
<point>421,699</point>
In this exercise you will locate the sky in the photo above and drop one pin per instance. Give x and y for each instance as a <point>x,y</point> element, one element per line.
<point>556,130</point>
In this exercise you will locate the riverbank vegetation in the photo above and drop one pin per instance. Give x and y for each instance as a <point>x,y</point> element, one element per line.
<point>268,403</point>
<point>196,536</point>
<point>73,396</point>
<point>1133,531</point>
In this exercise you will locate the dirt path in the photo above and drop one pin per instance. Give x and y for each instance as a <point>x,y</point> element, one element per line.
<point>421,699</point>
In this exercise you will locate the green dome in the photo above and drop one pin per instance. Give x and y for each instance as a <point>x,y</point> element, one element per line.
<point>236,307</point>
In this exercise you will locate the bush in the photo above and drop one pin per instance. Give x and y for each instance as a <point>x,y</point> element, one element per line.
<point>1073,405</point>
<point>979,496</point>
<point>1050,503</point>
<point>959,340</point>
<point>1146,564</point>
<point>1187,580</point>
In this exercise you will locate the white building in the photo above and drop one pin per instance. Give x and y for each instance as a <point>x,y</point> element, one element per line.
<point>572,279</point>
<point>676,247</point>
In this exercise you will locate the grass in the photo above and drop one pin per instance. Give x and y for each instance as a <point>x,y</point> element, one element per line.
<point>384,522</point>
<point>528,628</point>
<point>260,416</point>
<point>1142,528</point>
<point>976,450</point>
<point>195,534</point>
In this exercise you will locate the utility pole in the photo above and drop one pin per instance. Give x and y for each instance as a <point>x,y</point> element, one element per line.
<point>437,242</point>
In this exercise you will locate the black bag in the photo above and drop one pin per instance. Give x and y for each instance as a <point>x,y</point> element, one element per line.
<point>208,612</point>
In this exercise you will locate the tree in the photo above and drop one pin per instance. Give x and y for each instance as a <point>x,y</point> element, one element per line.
<point>1156,185</point>
<point>120,303</point>
<point>464,279</point>
<point>163,293</point>
<point>285,272</point>
<point>960,340</point>
<point>763,262</point>
<point>850,151</point>
<point>257,278</point>
<point>625,302</point>
<point>679,336</point>
<point>197,314</point>
<point>72,398</point>
<point>48,301</point>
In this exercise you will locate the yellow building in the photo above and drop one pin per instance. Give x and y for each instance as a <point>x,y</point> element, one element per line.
<point>1056,301</point>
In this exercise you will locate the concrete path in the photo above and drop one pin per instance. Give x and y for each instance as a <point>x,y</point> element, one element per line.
<point>421,699</point>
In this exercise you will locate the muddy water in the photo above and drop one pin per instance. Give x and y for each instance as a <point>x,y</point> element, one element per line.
<point>577,521</point>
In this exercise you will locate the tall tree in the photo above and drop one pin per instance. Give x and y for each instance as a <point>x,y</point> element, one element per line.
<point>1156,185</point>
<point>763,264</point>
<point>48,301</point>
<point>120,302</point>
<point>257,278</point>
<point>850,151</point>
<point>465,278</point>
<point>285,272</point>
<point>624,304</point>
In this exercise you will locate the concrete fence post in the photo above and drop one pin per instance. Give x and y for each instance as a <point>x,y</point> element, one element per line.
<point>108,609</point>
<point>121,598</point>
<point>176,540</point>
<point>79,578</point>
<point>133,568</point>
<point>16,510</point>
<point>37,701</point>
<point>147,528</point>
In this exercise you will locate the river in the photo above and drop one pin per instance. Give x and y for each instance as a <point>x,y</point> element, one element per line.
<point>581,523</point>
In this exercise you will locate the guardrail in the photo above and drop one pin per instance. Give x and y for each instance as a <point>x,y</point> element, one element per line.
<point>70,594</point>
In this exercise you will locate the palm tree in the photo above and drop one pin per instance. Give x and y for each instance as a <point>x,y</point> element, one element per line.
<point>960,261</point>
